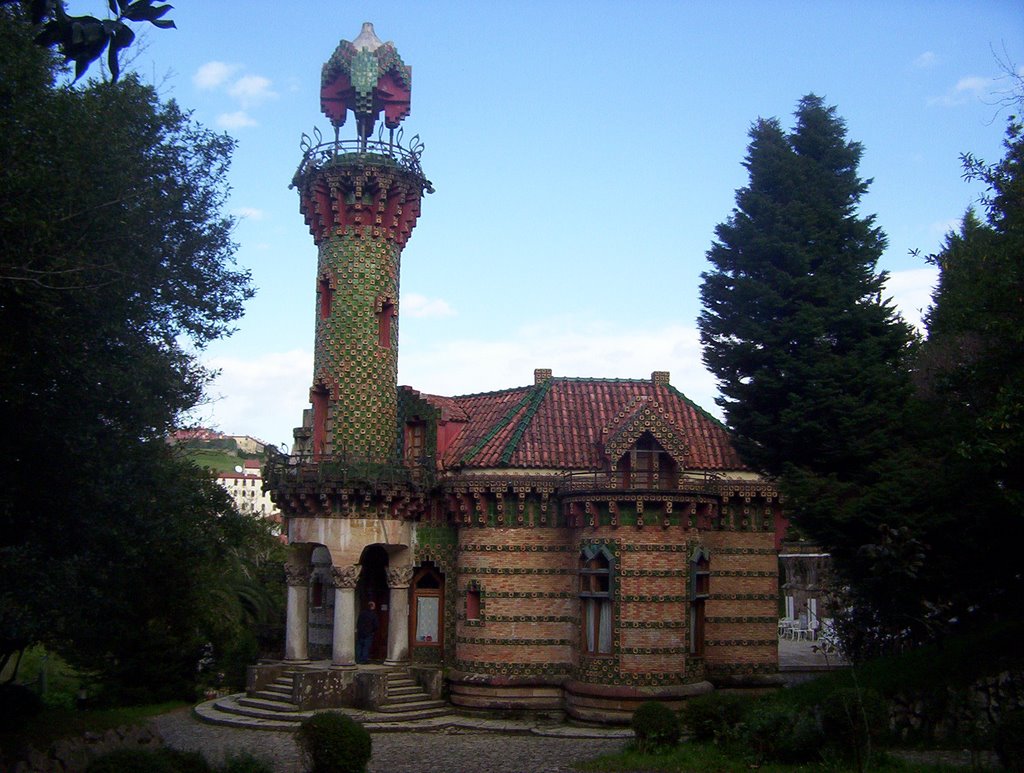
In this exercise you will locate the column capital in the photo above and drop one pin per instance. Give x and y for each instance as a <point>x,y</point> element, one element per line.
<point>296,576</point>
<point>399,576</point>
<point>345,576</point>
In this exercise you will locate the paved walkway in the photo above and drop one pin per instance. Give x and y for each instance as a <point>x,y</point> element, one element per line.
<point>444,751</point>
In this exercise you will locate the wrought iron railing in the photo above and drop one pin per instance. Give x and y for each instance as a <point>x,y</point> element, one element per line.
<point>317,154</point>
<point>348,469</point>
<point>623,480</point>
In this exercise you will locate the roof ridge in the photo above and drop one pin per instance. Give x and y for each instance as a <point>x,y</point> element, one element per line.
<point>602,380</point>
<point>711,417</point>
<point>501,423</point>
<point>536,397</point>
<point>488,394</point>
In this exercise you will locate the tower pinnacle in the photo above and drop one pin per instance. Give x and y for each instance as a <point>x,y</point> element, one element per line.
<point>366,76</point>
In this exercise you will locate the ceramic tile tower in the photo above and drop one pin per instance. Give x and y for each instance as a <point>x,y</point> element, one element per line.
<point>360,199</point>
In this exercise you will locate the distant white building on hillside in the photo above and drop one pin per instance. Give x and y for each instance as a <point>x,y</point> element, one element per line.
<point>245,485</point>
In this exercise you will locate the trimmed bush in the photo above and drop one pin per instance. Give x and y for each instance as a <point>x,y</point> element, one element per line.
<point>656,726</point>
<point>334,743</point>
<point>713,717</point>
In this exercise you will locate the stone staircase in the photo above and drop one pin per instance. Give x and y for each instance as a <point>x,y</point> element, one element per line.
<point>272,708</point>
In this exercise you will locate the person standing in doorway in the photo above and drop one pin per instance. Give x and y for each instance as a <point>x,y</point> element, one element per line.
<point>366,629</point>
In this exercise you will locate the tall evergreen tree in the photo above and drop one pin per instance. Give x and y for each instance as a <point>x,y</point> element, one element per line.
<point>970,378</point>
<point>809,355</point>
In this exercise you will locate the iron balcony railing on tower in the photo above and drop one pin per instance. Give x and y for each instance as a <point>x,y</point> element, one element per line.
<point>349,469</point>
<point>337,152</point>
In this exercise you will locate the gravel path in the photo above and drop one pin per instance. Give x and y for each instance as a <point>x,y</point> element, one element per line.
<point>439,752</point>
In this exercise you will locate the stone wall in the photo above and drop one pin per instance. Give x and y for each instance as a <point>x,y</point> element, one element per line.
<point>72,755</point>
<point>957,714</point>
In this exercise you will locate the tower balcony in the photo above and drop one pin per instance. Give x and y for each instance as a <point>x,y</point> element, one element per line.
<point>348,470</point>
<point>363,152</point>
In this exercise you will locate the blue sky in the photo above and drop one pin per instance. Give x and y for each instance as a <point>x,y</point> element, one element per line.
<point>582,154</point>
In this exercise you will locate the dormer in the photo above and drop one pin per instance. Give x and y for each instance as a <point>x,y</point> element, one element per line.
<point>643,448</point>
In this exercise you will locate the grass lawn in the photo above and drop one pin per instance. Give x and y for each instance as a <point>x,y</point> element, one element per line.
<point>215,460</point>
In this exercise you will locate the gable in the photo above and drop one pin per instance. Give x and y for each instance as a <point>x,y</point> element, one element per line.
<point>643,414</point>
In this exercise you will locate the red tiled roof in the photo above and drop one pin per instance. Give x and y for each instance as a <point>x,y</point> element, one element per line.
<point>558,424</point>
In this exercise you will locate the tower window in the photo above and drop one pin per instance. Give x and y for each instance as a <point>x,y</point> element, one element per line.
<point>318,396</point>
<point>326,297</point>
<point>387,310</point>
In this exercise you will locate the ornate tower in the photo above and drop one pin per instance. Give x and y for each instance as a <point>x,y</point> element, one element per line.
<point>360,199</point>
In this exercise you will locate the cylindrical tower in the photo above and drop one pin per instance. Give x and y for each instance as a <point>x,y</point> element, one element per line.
<point>361,199</point>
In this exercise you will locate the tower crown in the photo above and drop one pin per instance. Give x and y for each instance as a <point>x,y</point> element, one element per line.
<point>367,77</point>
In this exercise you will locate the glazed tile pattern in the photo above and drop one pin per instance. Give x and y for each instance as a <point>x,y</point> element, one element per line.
<point>361,209</point>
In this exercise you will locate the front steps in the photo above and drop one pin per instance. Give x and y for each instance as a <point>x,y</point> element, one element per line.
<point>272,708</point>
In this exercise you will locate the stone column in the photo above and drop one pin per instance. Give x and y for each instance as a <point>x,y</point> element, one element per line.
<point>343,650</point>
<point>399,578</point>
<point>296,634</point>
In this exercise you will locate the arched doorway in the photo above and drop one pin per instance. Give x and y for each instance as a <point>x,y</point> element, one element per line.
<point>373,586</point>
<point>321,604</point>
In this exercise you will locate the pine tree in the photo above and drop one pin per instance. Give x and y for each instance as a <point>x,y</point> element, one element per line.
<point>970,378</point>
<point>808,355</point>
<point>810,358</point>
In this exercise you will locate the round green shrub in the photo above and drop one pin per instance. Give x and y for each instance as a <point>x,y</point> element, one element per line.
<point>714,716</point>
<point>334,743</point>
<point>1008,740</point>
<point>655,726</point>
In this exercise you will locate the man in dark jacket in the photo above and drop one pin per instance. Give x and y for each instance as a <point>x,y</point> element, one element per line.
<point>366,629</point>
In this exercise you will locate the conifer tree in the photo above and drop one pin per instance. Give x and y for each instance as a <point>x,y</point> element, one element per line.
<point>970,379</point>
<point>794,326</point>
<point>809,355</point>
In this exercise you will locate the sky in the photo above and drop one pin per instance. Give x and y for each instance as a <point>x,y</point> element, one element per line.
<point>582,154</point>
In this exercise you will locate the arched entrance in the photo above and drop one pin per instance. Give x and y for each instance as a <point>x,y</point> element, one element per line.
<point>373,586</point>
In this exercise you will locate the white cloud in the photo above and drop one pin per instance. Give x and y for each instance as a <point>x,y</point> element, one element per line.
<point>262,396</point>
<point>926,60</point>
<point>265,395</point>
<point>249,213</point>
<point>415,305</point>
<point>968,88</point>
<point>570,348</point>
<point>972,84</point>
<point>252,90</point>
<point>941,228</point>
<point>911,291</point>
<point>213,74</point>
<point>236,120</point>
